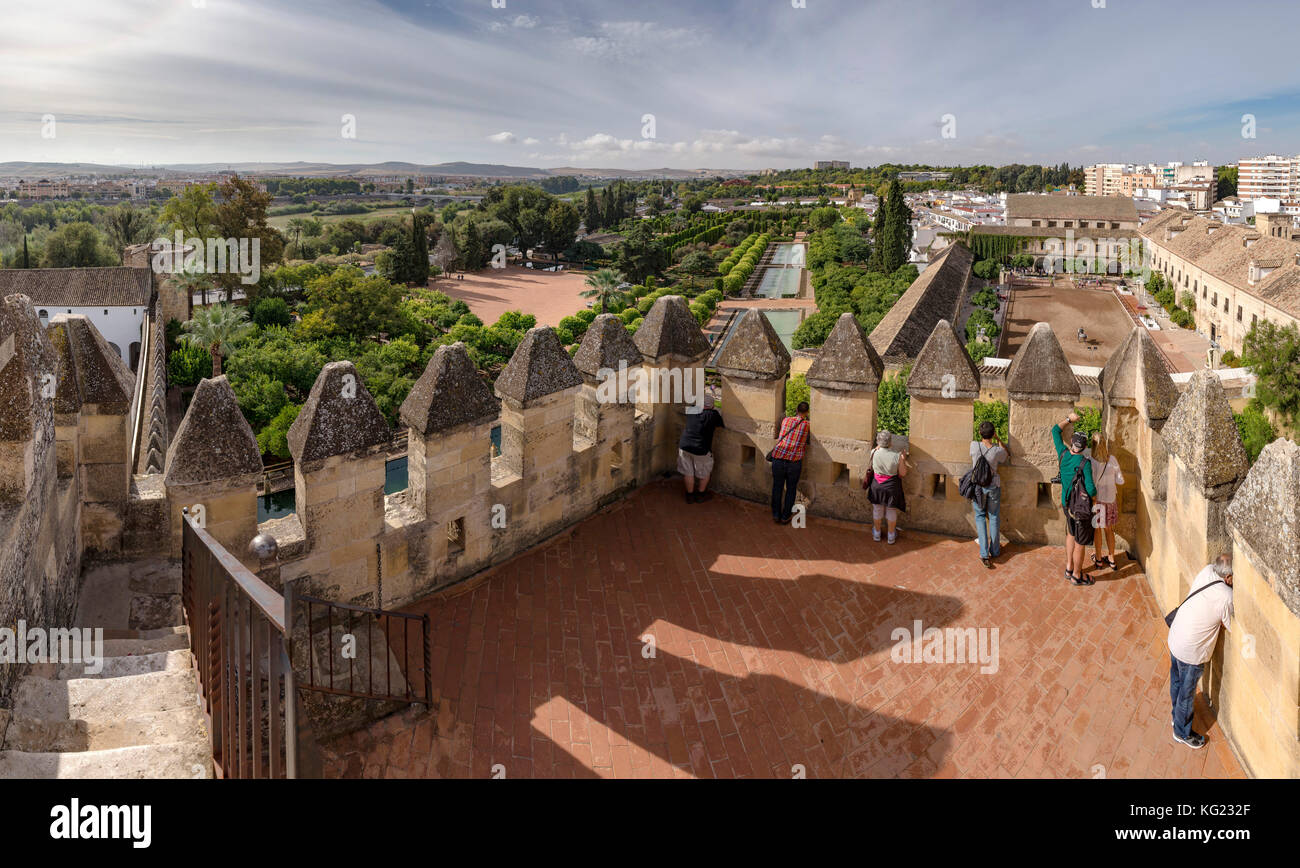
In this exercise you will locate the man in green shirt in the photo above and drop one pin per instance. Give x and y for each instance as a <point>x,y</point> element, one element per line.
<point>1079,530</point>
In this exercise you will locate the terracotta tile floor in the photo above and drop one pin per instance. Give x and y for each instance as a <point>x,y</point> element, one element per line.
<point>772,651</point>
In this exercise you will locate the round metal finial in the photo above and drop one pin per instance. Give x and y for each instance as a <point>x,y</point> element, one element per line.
<point>264,547</point>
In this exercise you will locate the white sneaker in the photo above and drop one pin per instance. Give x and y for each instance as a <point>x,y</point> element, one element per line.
<point>875,534</point>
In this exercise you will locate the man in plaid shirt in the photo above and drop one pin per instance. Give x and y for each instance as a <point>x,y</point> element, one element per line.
<point>787,463</point>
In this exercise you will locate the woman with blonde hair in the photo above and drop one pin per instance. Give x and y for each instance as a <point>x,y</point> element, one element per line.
<point>1108,476</point>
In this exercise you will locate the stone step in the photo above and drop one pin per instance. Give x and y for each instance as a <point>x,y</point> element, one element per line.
<point>105,698</point>
<point>120,666</point>
<point>130,647</point>
<point>176,760</point>
<point>65,736</point>
<point>148,635</point>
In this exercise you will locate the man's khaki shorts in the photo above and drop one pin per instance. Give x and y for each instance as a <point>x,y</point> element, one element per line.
<point>694,466</point>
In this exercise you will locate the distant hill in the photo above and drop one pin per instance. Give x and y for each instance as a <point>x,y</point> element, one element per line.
<point>332,170</point>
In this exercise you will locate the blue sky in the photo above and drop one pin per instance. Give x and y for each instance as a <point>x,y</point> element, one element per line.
<point>731,83</point>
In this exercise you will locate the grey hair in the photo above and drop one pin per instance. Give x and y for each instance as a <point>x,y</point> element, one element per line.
<point>883,439</point>
<point>1223,566</point>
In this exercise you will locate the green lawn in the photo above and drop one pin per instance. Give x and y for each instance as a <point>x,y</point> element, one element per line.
<point>282,222</point>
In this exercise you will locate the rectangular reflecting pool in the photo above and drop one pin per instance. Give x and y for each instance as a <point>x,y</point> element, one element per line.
<point>784,322</point>
<point>779,283</point>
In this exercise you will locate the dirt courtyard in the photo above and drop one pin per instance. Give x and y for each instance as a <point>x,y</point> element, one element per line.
<point>491,292</point>
<point>1066,309</point>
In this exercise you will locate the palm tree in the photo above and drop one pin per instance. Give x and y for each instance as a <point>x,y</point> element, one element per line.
<point>217,329</point>
<point>604,287</point>
<point>297,225</point>
<point>193,280</point>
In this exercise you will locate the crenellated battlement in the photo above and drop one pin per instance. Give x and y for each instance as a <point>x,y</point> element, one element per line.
<point>570,445</point>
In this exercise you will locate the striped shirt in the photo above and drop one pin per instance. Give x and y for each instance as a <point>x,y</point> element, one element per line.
<point>793,441</point>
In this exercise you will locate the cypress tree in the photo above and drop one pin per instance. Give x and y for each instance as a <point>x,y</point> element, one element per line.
<point>27,257</point>
<point>592,214</point>
<point>419,265</point>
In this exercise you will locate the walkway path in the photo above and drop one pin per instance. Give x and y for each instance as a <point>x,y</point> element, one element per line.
<point>772,649</point>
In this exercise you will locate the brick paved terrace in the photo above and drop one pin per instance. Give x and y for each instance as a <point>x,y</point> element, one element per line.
<point>773,650</point>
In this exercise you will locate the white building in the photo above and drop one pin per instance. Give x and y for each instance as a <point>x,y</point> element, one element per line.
<point>114,299</point>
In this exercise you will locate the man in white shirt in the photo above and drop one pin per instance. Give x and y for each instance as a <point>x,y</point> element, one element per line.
<point>1192,636</point>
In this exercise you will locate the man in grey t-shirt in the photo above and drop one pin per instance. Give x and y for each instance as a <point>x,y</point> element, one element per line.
<point>988,503</point>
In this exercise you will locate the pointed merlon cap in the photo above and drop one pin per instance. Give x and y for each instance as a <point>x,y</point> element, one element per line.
<point>605,346</point>
<point>847,361</point>
<point>449,393</point>
<point>539,367</point>
<point>1040,371</point>
<point>25,358</point>
<point>105,385</point>
<point>944,369</point>
<point>754,351</point>
<point>67,393</point>
<point>1202,432</point>
<point>1135,376</point>
<point>1265,513</point>
<point>670,332</point>
<point>213,442</point>
<point>339,418</point>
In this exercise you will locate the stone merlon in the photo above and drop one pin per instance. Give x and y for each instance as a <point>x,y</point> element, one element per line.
<point>847,362</point>
<point>944,369</point>
<point>1135,376</point>
<point>670,332</point>
<point>105,385</point>
<point>754,351</point>
<point>214,441</point>
<point>1265,513</point>
<point>540,367</point>
<point>339,418</point>
<point>449,393</point>
<point>605,346</point>
<point>26,356</point>
<point>1202,432</point>
<point>1040,371</point>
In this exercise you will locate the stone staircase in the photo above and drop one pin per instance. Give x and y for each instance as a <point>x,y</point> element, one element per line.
<point>139,717</point>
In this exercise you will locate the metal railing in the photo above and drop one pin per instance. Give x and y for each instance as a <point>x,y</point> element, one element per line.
<point>239,640</point>
<point>242,641</point>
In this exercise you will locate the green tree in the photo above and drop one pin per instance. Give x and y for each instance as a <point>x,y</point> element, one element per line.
<point>796,392</point>
<point>217,329</point>
<point>592,216</point>
<point>1255,430</point>
<point>562,222</point>
<point>242,215</point>
<point>894,405</point>
<point>274,438</point>
<point>271,312</point>
<point>997,412</point>
<point>76,245</point>
<point>192,211</point>
<point>1272,352</point>
<point>348,304</point>
<point>127,225</point>
<point>187,365</point>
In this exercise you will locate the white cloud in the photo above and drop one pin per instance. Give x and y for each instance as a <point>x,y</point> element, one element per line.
<point>503,138</point>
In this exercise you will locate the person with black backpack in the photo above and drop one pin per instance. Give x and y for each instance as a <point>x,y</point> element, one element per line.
<point>1077,491</point>
<point>984,489</point>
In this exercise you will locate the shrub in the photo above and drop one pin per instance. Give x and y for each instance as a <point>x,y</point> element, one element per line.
<point>997,412</point>
<point>1182,318</point>
<point>986,269</point>
<point>979,350</point>
<point>188,364</point>
<point>271,312</point>
<point>631,315</point>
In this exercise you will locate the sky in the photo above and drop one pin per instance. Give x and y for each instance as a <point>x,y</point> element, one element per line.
<point>738,84</point>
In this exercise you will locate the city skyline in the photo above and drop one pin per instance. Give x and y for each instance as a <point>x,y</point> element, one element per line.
<point>549,84</point>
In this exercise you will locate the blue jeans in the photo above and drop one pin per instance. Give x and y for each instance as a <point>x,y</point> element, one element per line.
<point>785,483</point>
<point>1183,678</point>
<point>990,541</point>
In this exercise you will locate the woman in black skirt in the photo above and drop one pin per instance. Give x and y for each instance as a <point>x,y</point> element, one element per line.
<point>884,485</point>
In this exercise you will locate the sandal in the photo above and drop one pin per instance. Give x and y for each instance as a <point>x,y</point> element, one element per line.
<point>1073,579</point>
